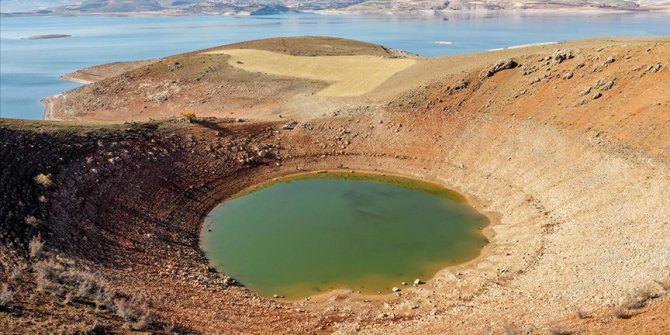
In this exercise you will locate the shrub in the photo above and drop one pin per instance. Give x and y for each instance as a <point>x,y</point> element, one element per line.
<point>6,296</point>
<point>68,298</point>
<point>31,220</point>
<point>16,274</point>
<point>640,297</point>
<point>665,284</point>
<point>513,329</point>
<point>582,314</point>
<point>47,272</point>
<point>44,180</point>
<point>621,313</point>
<point>135,312</point>
<point>86,286</point>
<point>188,116</point>
<point>36,246</point>
<point>559,330</point>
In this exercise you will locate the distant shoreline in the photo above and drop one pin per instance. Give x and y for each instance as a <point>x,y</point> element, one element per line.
<point>474,13</point>
<point>524,46</point>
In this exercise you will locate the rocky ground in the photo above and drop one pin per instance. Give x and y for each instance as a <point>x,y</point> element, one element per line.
<point>566,147</point>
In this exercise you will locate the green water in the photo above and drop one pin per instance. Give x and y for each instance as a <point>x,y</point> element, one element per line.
<point>308,235</point>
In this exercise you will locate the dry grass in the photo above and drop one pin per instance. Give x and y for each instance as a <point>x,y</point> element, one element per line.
<point>47,274</point>
<point>559,330</point>
<point>514,329</point>
<point>6,296</point>
<point>16,274</point>
<point>640,297</point>
<point>31,220</point>
<point>36,246</point>
<point>351,75</point>
<point>620,312</point>
<point>134,311</point>
<point>79,286</point>
<point>582,314</point>
<point>44,180</point>
<point>188,116</point>
<point>665,284</point>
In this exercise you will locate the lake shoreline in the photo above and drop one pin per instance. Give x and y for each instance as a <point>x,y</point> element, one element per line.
<point>392,179</point>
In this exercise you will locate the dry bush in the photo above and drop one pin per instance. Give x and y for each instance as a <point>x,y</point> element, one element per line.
<point>86,286</point>
<point>621,313</point>
<point>36,246</point>
<point>134,311</point>
<point>559,330</point>
<point>582,314</point>
<point>68,298</point>
<point>78,285</point>
<point>48,269</point>
<point>31,220</point>
<point>665,284</point>
<point>48,273</point>
<point>188,116</point>
<point>513,329</point>
<point>640,297</point>
<point>6,296</point>
<point>16,274</point>
<point>167,327</point>
<point>44,180</point>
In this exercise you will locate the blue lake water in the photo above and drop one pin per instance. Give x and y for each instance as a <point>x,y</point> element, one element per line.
<point>30,69</point>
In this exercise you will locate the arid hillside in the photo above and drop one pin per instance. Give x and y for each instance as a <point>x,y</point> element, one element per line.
<point>207,84</point>
<point>566,147</point>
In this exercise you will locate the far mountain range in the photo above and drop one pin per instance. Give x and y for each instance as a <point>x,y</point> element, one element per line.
<point>264,7</point>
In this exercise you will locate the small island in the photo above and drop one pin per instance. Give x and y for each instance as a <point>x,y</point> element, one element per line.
<point>46,37</point>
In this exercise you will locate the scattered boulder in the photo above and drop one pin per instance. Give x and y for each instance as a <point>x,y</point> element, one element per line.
<point>567,75</point>
<point>418,282</point>
<point>158,97</point>
<point>603,84</point>
<point>461,85</point>
<point>654,68</point>
<point>502,64</point>
<point>597,95</point>
<point>290,125</point>
<point>609,60</point>
<point>229,281</point>
<point>526,70</point>
<point>585,91</point>
<point>563,55</point>
<point>608,85</point>
<point>395,289</point>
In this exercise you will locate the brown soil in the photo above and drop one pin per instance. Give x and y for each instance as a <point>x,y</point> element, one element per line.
<point>577,184</point>
<point>207,85</point>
